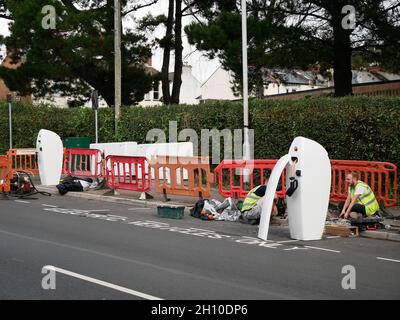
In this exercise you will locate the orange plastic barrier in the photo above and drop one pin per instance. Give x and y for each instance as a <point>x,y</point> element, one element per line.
<point>83,163</point>
<point>380,176</point>
<point>24,160</point>
<point>185,176</point>
<point>229,175</point>
<point>128,173</point>
<point>5,174</point>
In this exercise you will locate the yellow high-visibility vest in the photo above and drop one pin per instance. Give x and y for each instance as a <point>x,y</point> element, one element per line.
<point>251,200</point>
<point>367,198</point>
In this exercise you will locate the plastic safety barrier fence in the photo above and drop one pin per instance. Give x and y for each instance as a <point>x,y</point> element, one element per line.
<point>5,174</point>
<point>128,173</point>
<point>24,160</point>
<point>185,176</point>
<point>83,163</point>
<point>229,175</point>
<point>380,176</point>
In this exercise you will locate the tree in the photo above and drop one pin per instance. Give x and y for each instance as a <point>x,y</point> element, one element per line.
<point>77,55</point>
<point>297,33</point>
<point>171,42</point>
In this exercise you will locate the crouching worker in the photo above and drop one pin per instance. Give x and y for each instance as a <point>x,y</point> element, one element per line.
<point>252,206</point>
<point>360,202</point>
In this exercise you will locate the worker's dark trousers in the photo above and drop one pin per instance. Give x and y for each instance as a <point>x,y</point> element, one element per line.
<point>359,208</point>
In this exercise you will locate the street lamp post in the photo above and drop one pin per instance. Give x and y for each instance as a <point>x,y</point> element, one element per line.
<point>9,100</point>
<point>95,107</point>
<point>246,144</point>
<point>117,57</point>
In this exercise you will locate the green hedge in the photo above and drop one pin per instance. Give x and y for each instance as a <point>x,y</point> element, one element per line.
<point>364,128</point>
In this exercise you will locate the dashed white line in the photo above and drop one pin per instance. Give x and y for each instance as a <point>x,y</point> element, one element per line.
<point>386,259</point>
<point>323,249</point>
<point>49,205</point>
<point>21,201</point>
<point>103,283</point>
<point>288,241</point>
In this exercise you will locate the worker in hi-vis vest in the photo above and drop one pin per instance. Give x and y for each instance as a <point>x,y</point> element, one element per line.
<point>252,206</point>
<point>360,200</point>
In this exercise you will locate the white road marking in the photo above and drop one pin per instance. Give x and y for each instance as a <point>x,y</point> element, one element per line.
<point>154,266</point>
<point>295,248</point>
<point>49,205</point>
<point>323,249</point>
<point>386,259</point>
<point>21,201</point>
<point>103,283</point>
<point>100,210</point>
<point>114,216</point>
<point>288,241</point>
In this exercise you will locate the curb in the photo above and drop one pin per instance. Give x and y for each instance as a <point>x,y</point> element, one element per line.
<point>112,199</point>
<point>380,235</point>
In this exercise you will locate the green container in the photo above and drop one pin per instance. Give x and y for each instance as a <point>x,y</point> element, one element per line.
<point>77,142</point>
<point>171,212</point>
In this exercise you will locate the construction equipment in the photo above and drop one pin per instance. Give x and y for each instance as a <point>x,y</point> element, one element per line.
<point>22,186</point>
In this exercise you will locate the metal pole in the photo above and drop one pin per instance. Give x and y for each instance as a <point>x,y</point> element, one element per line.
<point>117,53</point>
<point>10,124</point>
<point>96,125</point>
<point>246,145</point>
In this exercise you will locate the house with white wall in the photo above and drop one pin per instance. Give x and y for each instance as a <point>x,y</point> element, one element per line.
<point>218,86</point>
<point>278,81</point>
<point>190,89</point>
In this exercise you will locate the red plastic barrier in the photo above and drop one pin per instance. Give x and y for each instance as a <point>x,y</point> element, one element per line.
<point>83,163</point>
<point>24,160</point>
<point>128,173</point>
<point>232,170</point>
<point>380,176</point>
<point>5,174</point>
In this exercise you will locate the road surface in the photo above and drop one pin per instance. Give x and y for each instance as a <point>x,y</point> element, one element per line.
<point>127,252</point>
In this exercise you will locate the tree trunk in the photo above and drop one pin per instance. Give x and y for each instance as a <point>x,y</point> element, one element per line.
<point>342,56</point>
<point>176,90</point>
<point>167,53</point>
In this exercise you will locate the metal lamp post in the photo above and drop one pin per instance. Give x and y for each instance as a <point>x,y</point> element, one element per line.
<point>246,144</point>
<point>9,100</point>
<point>117,57</point>
<point>95,107</point>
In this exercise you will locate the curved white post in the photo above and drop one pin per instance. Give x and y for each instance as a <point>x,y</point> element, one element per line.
<point>49,148</point>
<point>268,200</point>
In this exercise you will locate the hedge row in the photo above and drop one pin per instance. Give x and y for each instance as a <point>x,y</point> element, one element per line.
<point>349,128</point>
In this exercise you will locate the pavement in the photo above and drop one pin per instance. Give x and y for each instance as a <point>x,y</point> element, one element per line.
<point>115,250</point>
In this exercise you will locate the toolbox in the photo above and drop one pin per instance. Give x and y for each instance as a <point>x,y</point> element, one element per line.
<point>171,212</point>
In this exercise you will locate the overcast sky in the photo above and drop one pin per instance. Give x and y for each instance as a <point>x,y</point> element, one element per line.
<point>202,67</point>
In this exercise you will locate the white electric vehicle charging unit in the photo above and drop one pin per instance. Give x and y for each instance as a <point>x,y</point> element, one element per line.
<point>308,181</point>
<point>50,151</point>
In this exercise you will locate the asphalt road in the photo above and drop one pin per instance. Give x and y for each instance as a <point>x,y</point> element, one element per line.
<point>127,252</point>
